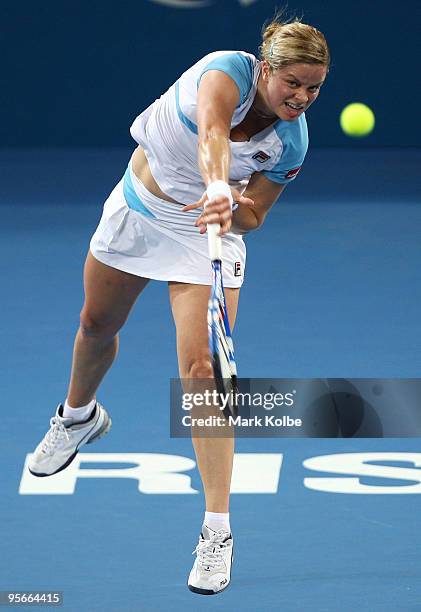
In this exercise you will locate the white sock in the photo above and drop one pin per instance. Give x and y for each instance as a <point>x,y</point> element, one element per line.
<point>217,520</point>
<point>78,414</point>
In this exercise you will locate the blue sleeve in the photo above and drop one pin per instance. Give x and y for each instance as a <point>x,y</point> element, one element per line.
<point>295,145</point>
<point>237,66</point>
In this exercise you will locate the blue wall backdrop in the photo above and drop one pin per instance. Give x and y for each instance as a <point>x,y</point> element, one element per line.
<point>76,73</point>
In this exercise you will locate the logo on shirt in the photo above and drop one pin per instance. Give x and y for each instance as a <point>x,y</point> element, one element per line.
<point>261,157</point>
<point>292,172</point>
<point>237,268</point>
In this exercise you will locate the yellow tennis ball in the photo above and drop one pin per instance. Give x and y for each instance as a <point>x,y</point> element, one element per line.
<point>357,119</point>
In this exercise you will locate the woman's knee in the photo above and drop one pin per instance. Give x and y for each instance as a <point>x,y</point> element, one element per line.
<point>200,367</point>
<point>98,325</point>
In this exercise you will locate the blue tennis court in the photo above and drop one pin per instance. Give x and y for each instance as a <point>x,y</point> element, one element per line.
<point>332,289</point>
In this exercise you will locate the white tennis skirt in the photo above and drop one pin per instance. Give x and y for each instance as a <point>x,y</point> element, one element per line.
<point>144,235</point>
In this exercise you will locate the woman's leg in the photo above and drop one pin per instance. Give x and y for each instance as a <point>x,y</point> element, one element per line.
<point>109,297</point>
<point>214,454</point>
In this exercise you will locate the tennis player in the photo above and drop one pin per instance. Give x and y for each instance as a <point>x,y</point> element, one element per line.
<point>232,128</point>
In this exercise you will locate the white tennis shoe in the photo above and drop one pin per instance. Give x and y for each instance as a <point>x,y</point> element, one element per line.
<point>211,571</point>
<point>62,442</point>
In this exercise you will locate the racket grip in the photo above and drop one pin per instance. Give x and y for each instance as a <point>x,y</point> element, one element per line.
<point>214,241</point>
<point>216,189</point>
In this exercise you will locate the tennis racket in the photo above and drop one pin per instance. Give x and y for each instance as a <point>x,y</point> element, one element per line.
<point>220,341</point>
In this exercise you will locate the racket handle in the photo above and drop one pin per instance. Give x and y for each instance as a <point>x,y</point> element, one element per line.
<point>214,241</point>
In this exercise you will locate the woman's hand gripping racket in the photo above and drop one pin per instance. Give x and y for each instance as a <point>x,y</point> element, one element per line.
<point>220,341</point>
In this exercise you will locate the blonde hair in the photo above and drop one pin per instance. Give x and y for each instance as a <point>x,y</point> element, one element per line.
<point>293,42</point>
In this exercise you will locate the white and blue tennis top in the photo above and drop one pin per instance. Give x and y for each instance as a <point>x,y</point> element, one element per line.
<point>167,131</point>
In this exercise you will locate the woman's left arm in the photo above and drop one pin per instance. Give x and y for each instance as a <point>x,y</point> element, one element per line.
<point>253,205</point>
<point>264,194</point>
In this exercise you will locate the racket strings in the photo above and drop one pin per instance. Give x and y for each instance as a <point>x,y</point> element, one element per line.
<point>220,342</point>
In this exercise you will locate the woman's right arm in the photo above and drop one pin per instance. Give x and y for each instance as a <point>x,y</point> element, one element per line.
<point>217,99</point>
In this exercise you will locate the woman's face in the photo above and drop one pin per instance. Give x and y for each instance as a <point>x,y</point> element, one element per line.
<point>290,90</point>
